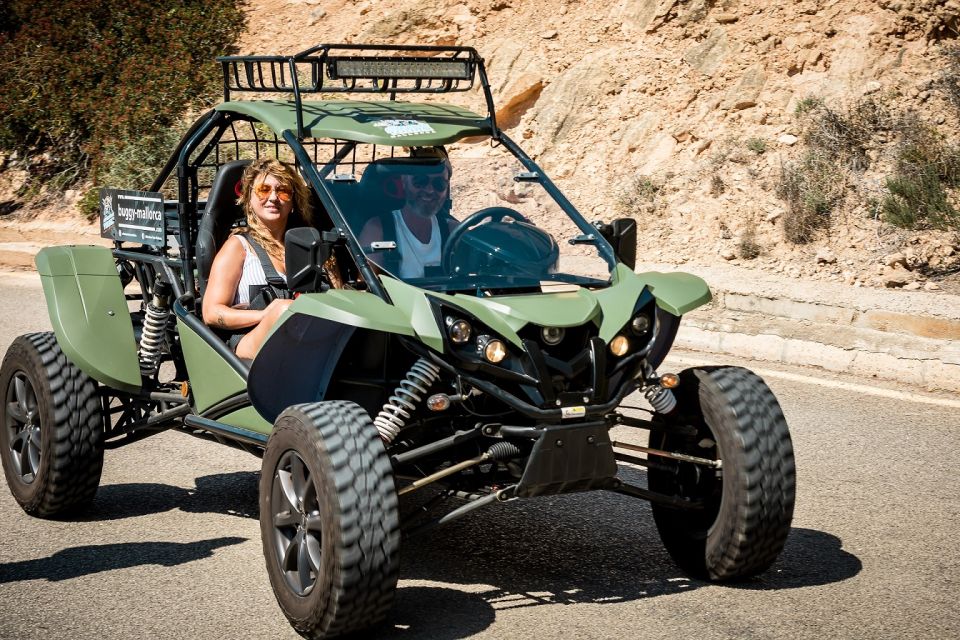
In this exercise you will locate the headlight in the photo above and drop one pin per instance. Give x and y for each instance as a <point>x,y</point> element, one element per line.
<point>640,325</point>
<point>552,335</point>
<point>493,350</point>
<point>619,346</point>
<point>458,330</point>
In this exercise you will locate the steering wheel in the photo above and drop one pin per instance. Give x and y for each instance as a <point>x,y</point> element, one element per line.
<point>483,216</point>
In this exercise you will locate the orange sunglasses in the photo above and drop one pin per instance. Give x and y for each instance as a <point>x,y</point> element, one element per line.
<point>284,194</point>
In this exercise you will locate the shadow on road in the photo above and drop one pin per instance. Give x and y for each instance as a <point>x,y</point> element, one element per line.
<point>810,558</point>
<point>85,560</point>
<point>579,549</point>
<point>225,493</point>
<point>591,548</point>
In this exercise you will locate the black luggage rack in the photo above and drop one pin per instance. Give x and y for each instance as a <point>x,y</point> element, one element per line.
<point>423,69</point>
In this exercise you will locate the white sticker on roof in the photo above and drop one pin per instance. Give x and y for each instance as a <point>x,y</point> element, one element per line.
<point>401,128</point>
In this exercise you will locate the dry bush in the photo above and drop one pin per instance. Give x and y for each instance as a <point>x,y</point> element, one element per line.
<point>845,135</point>
<point>717,185</point>
<point>637,195</point>
<point>811,187</point>
<point>949,82</point>
<point>747,247</point>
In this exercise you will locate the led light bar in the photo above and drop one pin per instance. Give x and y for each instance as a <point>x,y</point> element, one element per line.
<point>401,68</point>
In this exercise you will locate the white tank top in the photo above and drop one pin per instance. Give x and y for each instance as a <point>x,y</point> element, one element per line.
<point>415,255</point>
<point>252,274</point>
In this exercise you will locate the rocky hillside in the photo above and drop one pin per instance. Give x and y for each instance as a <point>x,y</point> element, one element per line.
<point>683,113</point>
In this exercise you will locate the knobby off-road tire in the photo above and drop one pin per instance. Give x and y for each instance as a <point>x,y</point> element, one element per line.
<point>748,503</point>
<point>51,428</point>
<point>329,519</point>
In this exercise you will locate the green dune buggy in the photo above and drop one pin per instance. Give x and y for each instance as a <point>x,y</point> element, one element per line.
<point>495,374</point>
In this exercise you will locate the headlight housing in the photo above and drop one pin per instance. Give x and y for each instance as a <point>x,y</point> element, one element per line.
<point>552,335</point>
<point>458,329</point>
<point>493,350</point>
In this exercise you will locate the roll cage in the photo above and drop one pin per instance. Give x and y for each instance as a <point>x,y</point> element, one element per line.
<point>217,137</point>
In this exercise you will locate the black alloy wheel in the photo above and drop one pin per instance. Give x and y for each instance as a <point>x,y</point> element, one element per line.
<point>297,534</point>
<point>22,425</point>
<point>329,519</point>
<point>51,428</point>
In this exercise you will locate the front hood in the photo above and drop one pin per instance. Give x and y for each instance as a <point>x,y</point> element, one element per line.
<point>610,308</point>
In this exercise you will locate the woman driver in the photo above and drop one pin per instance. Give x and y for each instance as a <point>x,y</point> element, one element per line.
<point>271,194</point>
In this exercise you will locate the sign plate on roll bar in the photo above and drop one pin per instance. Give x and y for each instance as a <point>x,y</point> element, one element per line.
<point>132,216</point>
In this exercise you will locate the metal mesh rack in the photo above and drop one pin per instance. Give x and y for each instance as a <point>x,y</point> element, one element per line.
<point>355,68</point>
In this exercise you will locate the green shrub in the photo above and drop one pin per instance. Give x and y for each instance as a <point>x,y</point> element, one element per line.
<point>807,104</point>
<point>811,188</point>
<point>132,165</point>
<point>926,167</point>
<point>81,80</point>
<point>757,145</point>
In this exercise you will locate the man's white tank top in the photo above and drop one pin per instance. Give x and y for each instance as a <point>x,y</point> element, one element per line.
<point>415,255</point>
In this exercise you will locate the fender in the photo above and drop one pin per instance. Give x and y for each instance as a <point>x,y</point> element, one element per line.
<point>296,360</point>
<point>89,313</point>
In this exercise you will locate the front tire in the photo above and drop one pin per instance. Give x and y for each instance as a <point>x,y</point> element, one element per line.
<point>329,519</point>
<point>748,502</point>
<point>51,428</point>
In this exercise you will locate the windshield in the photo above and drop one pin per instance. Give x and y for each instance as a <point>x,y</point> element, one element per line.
<point>462,223</point>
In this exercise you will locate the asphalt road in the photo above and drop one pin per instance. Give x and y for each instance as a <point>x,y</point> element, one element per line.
<point>171,547</point>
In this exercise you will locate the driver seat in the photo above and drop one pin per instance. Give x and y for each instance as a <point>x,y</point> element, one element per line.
<point>219,217</point>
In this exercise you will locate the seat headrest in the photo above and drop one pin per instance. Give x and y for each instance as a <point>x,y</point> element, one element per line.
<point>221,212</point>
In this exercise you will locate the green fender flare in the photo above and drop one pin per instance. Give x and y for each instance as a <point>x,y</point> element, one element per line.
<point>89,313</point>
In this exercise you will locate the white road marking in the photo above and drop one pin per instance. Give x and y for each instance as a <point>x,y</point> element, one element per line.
<point>835,384</point>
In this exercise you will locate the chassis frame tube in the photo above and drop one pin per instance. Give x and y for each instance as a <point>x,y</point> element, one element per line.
<point>619,486</point>
<point>714,464</point>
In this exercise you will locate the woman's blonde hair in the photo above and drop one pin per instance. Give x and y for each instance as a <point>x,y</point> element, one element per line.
<point>287,176</point>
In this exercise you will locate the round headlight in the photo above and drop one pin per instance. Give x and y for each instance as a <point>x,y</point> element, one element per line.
<point>619,346</point>
<point>552,335</point>
<point>641,324</point>
<point>494,351</point>
<point>458,330</point>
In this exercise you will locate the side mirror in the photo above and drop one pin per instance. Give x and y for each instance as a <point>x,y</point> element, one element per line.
<point>622,234</point>
<point>306,252</point>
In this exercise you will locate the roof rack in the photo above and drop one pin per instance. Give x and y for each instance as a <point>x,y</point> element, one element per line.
<point>333,68</point>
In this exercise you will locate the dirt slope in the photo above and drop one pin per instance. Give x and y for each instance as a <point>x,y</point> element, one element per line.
<point>654,108</point>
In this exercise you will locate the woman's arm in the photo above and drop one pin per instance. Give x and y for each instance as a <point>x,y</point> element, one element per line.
<point>222,286</point>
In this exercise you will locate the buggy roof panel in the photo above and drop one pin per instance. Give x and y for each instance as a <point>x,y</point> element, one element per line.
<point>381,122</point>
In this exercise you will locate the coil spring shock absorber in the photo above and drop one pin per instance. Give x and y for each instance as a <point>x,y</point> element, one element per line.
<point>662,400</point>
<point>154,333</point>
<point>394,415</point>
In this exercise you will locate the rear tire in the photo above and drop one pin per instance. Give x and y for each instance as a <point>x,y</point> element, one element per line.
<point>329,519</point>
<point>748,503</point>
<point>51,428</point>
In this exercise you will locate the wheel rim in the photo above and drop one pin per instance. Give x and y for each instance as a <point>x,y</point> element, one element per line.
<point>23,427</point>
<point>696,483</point>
<point>296,523</point>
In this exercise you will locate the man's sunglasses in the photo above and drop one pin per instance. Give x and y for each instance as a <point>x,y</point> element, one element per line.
<point>439,183</point>
<point>284,194</point>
